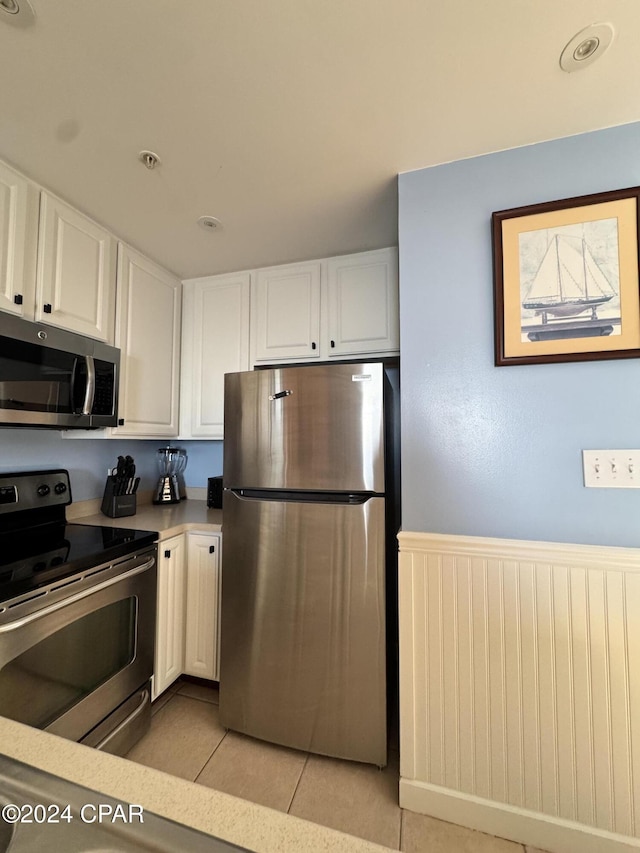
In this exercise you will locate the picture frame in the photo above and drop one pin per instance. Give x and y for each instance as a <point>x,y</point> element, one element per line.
<point>566,284</point>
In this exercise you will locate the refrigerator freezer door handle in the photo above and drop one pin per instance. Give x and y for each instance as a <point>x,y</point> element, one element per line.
<point>281,495</point>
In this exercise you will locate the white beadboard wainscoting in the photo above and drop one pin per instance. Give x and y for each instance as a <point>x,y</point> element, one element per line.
<point>520,689</point>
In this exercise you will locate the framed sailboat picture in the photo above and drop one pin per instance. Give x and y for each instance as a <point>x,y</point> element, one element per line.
<point>566,280</point>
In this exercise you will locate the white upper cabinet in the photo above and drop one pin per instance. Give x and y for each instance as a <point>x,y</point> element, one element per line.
<point>285,305</point>
<point>18,242</point>
<point>148,333</point>
<point>362,302</point>
<point>215,341</point>
<point>58,266</point>
<point>333,308</point>
<point>76,273</point>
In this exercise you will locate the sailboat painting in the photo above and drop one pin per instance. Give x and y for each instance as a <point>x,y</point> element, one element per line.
<point>566,279</point>
<point>570,281</point>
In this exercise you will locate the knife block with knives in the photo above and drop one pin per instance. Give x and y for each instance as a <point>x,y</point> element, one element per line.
<point>120,489</point>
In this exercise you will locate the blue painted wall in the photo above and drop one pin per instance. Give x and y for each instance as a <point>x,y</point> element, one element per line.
<point>205,460</point>
<point>87,460</point>
<point>497,451</point>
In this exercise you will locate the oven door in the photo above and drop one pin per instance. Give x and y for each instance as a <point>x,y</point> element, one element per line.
<point>68,665</point>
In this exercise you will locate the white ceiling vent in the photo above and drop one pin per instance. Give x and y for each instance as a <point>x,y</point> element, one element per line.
<point>586,46</point>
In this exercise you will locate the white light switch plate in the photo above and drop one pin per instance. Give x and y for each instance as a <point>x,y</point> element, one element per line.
<point>611,469</point>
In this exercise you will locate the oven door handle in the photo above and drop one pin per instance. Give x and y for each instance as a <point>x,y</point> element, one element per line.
<point>79,596</point>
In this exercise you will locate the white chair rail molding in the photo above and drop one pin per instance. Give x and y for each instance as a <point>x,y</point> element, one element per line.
<point>520,689</point>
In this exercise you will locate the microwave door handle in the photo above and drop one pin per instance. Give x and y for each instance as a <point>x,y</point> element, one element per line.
<point>90,387</point>
<point>74,373</point>
<point>90,392</point>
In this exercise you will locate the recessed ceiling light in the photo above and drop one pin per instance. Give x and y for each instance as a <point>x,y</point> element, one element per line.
<point>149,159</point>
<point>9,6</point>
<point>210,223</point>
<point>17,12</point>
<point>586,46</point>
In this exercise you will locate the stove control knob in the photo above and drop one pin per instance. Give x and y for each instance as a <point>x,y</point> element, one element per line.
<point>43,490</point>
<point>60,488</point>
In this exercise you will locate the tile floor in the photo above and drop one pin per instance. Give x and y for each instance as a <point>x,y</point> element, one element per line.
<point>187,740</point>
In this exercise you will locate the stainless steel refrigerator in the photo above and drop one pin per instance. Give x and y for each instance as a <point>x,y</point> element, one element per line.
<point>303,645</point>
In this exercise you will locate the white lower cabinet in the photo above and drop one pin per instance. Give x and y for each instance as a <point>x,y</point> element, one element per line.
<point>202,629</point>
<point>170,615</point>
<point>188,611</point>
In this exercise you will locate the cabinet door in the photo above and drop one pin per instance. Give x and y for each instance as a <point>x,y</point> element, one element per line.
<point>169,655</point>
<point>148,333</point>
<point>202,629</point>
<point>76,280</point>
<point>215,341</point>
<point>18,240</point>
<point>363,303</point>
<point>285,303</point>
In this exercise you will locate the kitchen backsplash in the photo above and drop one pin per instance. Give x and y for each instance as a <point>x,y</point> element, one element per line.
<point>87,461</point>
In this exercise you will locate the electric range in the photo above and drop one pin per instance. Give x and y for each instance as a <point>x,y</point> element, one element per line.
<point>77,616</point>
<point>34,557</point>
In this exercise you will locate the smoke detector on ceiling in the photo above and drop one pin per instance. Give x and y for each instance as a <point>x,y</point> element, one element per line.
<point>586,46</point>
<point>17,12</point>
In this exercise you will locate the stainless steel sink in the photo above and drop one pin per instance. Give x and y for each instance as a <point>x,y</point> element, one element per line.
<point>6,831</point>
<point>25,787</point>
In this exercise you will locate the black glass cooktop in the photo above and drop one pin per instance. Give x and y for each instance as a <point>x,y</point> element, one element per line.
<point>37,556</point>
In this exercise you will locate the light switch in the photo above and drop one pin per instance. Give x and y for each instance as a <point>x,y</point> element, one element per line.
<point>611,469</point>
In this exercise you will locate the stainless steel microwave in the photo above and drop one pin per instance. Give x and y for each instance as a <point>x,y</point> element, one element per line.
<point>56,379</point>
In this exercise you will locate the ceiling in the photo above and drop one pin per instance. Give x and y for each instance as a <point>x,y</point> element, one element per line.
<point>288,120</point>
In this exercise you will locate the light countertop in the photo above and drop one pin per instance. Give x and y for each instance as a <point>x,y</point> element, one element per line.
<point>255,827</point>
<point>168,520</point>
